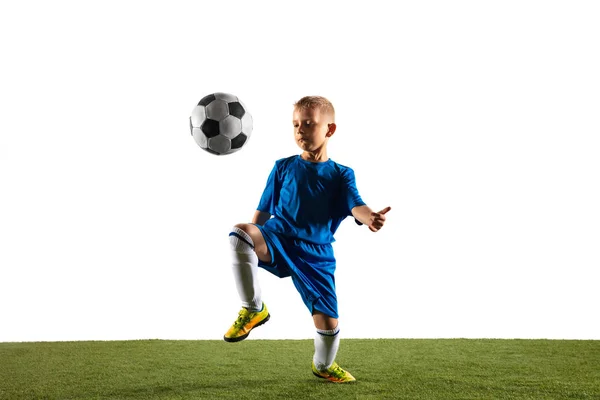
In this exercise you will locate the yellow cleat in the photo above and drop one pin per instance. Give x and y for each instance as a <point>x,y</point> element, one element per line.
<point>245,322</point>
<point>334,374</point>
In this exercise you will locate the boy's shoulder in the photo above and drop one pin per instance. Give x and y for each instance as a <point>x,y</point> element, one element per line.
<point>285,160</point>
<point>342,167</point>
<point>343,170</point>
<point>284,163</point>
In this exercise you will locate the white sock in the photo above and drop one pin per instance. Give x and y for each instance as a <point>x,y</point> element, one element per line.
<point>245,269</point>
<point>326,347</point>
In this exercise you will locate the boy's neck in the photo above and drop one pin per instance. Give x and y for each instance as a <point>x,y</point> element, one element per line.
<point>315,157</point>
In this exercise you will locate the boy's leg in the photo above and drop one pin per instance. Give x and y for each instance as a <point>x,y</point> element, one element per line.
<point>245,264</point>
<point>327,341</point>
<point>248,246</point>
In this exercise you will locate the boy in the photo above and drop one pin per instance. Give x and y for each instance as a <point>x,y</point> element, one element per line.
<point>308,196</point>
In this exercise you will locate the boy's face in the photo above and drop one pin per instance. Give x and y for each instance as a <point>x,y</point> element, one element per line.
<point>312,128</point>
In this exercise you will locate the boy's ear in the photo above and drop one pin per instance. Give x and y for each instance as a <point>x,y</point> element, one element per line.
<point>331,129</point>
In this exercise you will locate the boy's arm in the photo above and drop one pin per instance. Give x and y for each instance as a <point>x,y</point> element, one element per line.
<point>366,216</point>
<point>362,214</point>
<point>260,217</point>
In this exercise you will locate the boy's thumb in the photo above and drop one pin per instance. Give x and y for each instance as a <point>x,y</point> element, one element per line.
<point>388,208</point>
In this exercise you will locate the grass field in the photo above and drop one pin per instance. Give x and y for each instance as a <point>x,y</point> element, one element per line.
<point>261,369</point>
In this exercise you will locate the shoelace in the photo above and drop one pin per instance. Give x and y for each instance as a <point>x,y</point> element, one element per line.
<point>243,318</point>
<point>338,372</point>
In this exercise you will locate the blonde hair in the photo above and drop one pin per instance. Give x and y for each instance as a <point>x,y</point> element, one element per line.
<point>316,102</point>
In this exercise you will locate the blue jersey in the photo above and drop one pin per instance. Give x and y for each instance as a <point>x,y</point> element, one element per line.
<point>307,200</point>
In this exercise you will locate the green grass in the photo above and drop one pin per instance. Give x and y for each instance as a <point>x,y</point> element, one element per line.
<point>260,369</point>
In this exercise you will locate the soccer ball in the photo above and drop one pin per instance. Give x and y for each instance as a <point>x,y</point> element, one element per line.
<point>221,124</point>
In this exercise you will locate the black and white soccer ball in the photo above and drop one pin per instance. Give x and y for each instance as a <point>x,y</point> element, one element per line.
<point>221,124</point>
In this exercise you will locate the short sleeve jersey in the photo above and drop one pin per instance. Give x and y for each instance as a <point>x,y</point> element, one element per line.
<point>307,200</point>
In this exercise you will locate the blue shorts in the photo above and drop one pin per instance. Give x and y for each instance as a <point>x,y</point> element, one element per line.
<point>310,265</point>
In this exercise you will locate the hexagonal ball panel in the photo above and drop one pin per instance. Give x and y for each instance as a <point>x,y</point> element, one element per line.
<point>198,116</point>
<point>225,97</point>
<point>217,110</point>
<point>220,144</point>
<point>200,138</point>
<point>210,127</point>
<point>230,127</point>
<point>247,124</point>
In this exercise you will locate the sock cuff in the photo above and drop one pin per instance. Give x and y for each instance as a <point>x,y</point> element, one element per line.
<point>332,332</point>
<point>240,240</point>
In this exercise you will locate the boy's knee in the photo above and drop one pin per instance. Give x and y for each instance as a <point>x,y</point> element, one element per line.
<point>324,321</point>
<point>240,240</point>
<point>243,227</point>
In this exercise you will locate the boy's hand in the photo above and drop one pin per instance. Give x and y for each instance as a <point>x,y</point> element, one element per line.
<point>378,219</point>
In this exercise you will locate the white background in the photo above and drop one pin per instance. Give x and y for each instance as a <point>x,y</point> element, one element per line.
<point>477,122</point>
